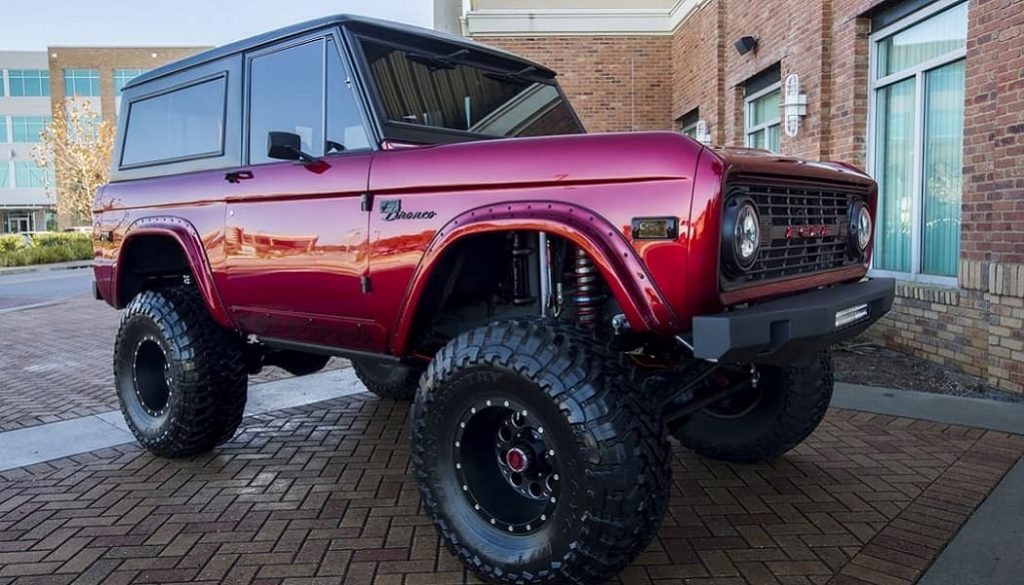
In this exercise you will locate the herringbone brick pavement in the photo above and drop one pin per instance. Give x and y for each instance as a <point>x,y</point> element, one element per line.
<point>324,494</point>
<point>56,363</point>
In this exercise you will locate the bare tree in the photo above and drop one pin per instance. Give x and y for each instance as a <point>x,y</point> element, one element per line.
<point>76,146</point>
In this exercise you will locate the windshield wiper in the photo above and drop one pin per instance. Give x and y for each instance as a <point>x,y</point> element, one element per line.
<point>435,62</point>
<point>512,76</point>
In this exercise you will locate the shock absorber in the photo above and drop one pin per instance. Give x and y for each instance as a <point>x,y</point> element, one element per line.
<point>520,270</point>
<point>588,295</point>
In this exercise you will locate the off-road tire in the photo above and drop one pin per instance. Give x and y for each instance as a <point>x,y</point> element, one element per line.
<point>792,403</point>
<point>205,373</point>
<point>387,380</point>
<point>615,482</point>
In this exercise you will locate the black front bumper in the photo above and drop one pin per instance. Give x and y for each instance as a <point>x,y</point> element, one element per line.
<point>789,329</point>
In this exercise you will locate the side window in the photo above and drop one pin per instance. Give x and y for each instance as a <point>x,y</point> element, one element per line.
<point>286,94</point>
<point>181,124</point>
<point>345,130</point>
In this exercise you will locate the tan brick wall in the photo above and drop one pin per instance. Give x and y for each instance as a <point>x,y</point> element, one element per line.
<point>616,83</point>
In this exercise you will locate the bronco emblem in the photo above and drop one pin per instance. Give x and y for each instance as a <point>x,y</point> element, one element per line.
<point>392,211</point>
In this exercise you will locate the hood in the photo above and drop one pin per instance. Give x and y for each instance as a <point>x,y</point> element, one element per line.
<point>536,162</point>
<point>763,162</point>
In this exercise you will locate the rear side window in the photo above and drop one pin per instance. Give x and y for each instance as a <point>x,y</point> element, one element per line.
<point>181,124</point>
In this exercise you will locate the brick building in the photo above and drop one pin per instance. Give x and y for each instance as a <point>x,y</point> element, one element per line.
<point>927,95</point>
<point>32,83</point>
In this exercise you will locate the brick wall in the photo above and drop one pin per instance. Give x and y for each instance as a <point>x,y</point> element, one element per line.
<point>977,326</point>
<point>698,68</point>
<point>616,83</point>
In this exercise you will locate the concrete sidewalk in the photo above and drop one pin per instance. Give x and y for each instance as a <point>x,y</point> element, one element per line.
<point>76,265</point>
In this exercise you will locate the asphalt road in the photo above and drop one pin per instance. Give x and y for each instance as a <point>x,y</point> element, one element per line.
<point>22,291</point>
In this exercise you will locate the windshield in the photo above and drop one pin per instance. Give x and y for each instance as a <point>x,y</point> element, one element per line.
<point>443,92</point>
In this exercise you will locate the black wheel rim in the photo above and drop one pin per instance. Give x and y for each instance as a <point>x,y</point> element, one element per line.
<point>150,376</point>
<point>505,466</point>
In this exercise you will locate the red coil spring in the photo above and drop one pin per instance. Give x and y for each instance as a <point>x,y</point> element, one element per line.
<point>588,295</point>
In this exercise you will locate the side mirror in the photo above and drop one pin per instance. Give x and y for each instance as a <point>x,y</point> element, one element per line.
<point>287,146</point>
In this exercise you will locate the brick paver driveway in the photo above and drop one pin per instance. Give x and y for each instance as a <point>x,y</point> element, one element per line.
<point>56,363</point>
<point>324,493</point>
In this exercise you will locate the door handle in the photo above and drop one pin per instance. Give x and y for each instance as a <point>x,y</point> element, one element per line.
<point>237,176</point>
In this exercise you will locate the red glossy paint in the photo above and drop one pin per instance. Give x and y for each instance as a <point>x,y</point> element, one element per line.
<point>282,254</point>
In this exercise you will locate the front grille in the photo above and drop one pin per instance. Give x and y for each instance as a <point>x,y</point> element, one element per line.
<point>804,227</point>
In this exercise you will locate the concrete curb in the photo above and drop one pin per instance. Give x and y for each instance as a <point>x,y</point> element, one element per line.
<point>77,265</point>
<point>958,410</point>
<point>38,444</point>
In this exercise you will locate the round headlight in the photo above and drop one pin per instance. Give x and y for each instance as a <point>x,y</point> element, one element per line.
<point>747,235</point>
<point>860,226</point>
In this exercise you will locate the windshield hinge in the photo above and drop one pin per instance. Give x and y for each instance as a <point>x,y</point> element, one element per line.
<point>366,202</point>
<point>364,280</point>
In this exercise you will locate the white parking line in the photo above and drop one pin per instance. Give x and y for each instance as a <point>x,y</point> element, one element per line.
<point>41,443</point>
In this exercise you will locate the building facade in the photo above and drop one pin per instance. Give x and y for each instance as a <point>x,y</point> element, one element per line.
<point>927,95</point>
<point>32,84</point>
<point>24,111</point>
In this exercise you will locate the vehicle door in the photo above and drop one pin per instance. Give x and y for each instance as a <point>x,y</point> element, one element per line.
<point>296,233</point>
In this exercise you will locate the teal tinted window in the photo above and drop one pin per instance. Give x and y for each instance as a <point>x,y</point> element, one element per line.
<point>27,128</point>
<point>29,82</point>
<point>123,76</point>
<point>29,175</point>
<point>82,82</point>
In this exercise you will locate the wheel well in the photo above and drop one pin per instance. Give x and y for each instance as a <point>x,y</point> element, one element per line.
<point>482,278</point>
<point>148,262</point>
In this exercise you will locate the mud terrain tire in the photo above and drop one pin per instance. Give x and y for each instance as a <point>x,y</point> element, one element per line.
<point>608,447</point>
<point>792,402</point>
<point>180,378</point>
<point>387,380</point>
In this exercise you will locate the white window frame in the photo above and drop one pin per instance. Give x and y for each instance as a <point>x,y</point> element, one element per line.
<point>748,102</point>
<point>917,72</point>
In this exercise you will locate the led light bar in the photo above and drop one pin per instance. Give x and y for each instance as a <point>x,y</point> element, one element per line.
<point>851,315</point>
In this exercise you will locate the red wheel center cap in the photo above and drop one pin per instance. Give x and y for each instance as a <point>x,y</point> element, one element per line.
<point>516,460</point>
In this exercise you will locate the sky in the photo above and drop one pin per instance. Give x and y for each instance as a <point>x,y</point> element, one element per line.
<point>102,23</point>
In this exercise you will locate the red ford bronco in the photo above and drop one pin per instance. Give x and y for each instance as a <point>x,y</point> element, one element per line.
<point>554,303</point>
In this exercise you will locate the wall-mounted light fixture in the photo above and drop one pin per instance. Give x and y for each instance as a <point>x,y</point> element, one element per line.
<point>794,105</point>
<point>746,45</point>
<point>702,134</point>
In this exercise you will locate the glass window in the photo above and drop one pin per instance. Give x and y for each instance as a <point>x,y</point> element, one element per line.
<point>3,130</point>
<point>687,124</point>
<point>184,123</point>
<point>345,130</point>
<point>82,82</point>
<point>763,119</point>
<point>5,175</point>
<point>286,94</point>
<point>123,76</point>
<point>917,137</point>
<point>29,82</point>
<point>26,129</point>
<point>2,84</point>
<point>439,92</point>
<point>927,40</point>
<point>28,175</point>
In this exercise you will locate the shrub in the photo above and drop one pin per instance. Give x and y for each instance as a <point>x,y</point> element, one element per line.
<point>11,242</point>
<point>45,248</point>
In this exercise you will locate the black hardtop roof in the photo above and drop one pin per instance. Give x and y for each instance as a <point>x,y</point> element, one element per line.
<point>376,25</point>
